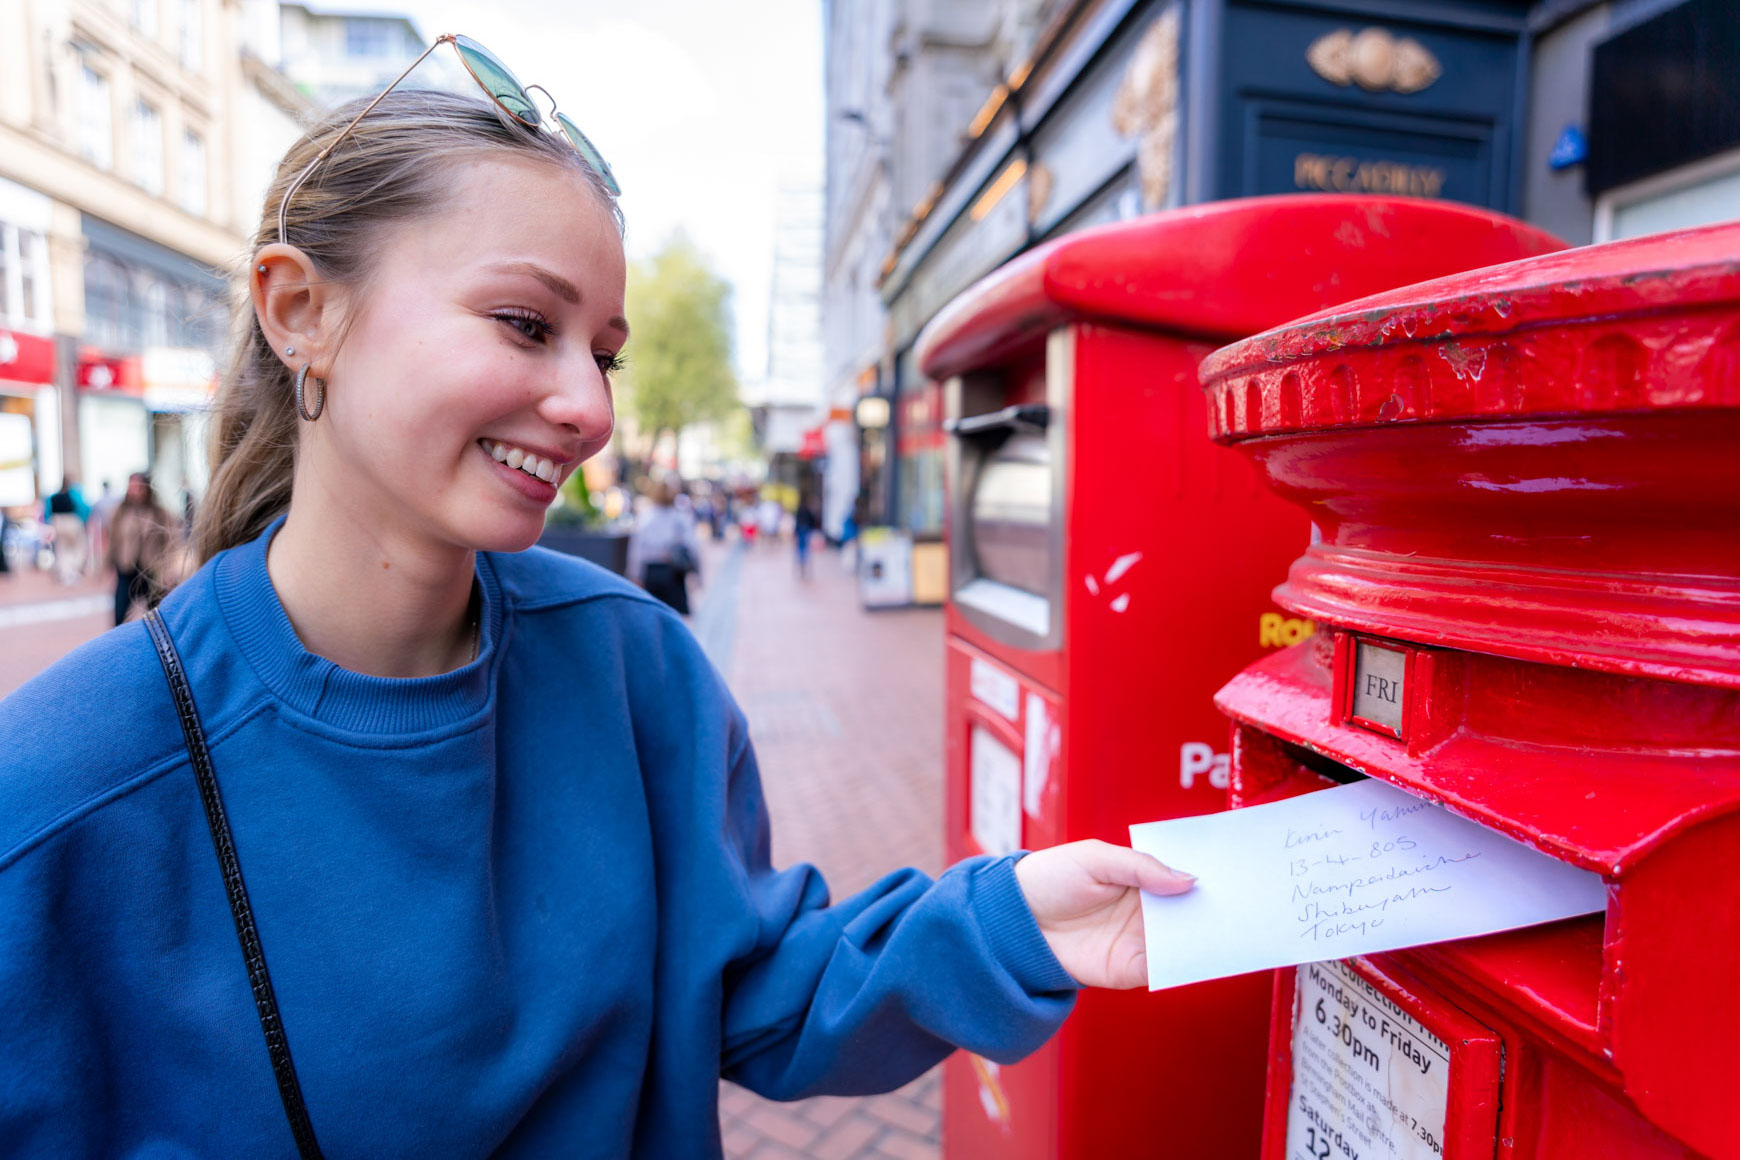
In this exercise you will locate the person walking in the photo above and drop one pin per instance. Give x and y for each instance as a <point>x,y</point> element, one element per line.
<point>399,836</point>
<point>803,527</point>
<point>662,552</point>
<point>142,538</point>
<point>97,524</point>
<point>65,512</point>
<point>770,514</point>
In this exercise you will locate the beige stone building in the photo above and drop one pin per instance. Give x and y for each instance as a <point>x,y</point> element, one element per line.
<point>136,140</point>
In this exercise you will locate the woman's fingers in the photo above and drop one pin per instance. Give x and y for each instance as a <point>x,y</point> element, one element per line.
<point>1121,866</point>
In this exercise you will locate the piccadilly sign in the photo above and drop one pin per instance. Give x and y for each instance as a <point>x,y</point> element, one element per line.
<point>1335,174</point>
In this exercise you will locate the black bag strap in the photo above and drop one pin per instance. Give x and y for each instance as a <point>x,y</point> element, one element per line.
<point>265,1001</point>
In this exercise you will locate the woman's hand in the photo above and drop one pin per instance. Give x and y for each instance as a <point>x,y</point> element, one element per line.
<point>1085,896</point>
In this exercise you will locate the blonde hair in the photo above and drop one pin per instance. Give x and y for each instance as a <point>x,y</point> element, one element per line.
<point>394,166</point>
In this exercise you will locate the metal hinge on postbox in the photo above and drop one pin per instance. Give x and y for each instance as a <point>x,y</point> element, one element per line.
<point>1374,684</point>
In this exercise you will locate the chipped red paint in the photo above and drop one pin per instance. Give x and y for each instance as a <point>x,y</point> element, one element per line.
<point>1648,323</point>
<point>1579,459</point>
<point>1525,477</point>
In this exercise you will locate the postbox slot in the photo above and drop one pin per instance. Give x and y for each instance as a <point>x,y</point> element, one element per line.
<point>1270,769</point>
<point>1011,514</point>
<point>1006,453</point>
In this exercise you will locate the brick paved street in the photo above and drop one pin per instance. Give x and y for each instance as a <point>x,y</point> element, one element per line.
<point>845,710</point>
<point>40,621</point>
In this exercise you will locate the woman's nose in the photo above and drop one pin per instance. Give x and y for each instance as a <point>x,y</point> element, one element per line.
<point>581,400</point>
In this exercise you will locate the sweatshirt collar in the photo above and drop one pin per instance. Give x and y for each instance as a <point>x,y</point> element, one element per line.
<point>321,689</point>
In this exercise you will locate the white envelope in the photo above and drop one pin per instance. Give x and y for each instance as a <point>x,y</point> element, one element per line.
<point>1344,871</point>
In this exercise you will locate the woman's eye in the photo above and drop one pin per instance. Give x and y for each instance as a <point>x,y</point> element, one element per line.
<point>530,326</point>
<point>609,363</point>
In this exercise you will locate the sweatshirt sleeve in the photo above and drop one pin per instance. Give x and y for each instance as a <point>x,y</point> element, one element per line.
<point>866,994</point>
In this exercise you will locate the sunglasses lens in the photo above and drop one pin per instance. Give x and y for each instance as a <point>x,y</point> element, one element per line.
<point>498,81</point>
<point>590,152</point>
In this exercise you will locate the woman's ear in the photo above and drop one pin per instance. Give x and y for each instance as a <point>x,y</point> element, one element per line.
<point>296,309</point>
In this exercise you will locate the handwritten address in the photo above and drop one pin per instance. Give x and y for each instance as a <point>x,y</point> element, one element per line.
<point>1347,884</point>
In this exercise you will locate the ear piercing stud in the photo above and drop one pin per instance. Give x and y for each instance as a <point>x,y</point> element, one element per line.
<point>288,351</point>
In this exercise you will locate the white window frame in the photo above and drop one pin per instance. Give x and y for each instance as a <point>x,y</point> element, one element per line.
<point>145,17</point>
<point>1609,204</point>
<point>95,113</point>
<point>145,136</point>
<point>192,35</point>
<point>372,37</point>
<point>156,320</point>
<point>193,189</point>
<point>31,315</point>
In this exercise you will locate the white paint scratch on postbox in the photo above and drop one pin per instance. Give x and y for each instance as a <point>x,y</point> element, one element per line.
<point>1121,565</point>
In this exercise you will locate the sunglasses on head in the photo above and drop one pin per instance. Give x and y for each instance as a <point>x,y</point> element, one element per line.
<point>502,87</point>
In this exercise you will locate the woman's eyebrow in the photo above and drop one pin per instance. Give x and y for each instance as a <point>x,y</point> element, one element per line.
<point>561,286</point>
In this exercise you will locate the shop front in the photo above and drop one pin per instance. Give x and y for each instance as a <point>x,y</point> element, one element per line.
<point>29,419</point>
<point>1664,129</point>
<point>179,385</point>
<point>114,426</point>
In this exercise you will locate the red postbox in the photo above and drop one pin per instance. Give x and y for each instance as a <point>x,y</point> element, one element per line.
<point>1109,568</point>
<point>1527,485</point>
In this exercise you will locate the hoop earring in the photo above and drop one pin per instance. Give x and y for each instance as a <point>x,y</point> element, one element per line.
<point>319,401</point>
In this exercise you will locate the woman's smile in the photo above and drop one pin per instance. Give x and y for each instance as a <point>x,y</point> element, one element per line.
<point>533,476</point>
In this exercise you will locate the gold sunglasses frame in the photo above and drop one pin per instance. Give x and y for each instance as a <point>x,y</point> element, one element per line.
<point>453,39</point>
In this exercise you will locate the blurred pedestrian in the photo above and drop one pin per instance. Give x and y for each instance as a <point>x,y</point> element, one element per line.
<point>849,538</point>
<point>662,553</point>
<point>748,520</point>
<point>704,505</point>
<point>65,512</point>
<point>803,527</point>
<point>142,540</point>
<point>503,837</point>
<point>5,535</point>
<point>97,526</point>
<point>770,515</point>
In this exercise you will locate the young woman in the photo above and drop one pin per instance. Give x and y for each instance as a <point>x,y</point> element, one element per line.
<point>141,538</point>
<point>492,864</point>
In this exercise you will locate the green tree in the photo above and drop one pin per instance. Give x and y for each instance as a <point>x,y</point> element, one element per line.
<point>679,363</point>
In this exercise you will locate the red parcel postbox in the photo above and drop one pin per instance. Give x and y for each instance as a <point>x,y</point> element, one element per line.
<point>1527,591</point>
<point>1110,567</point>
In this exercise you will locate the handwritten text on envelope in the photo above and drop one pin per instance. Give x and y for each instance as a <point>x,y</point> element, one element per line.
<point>1340,872</point>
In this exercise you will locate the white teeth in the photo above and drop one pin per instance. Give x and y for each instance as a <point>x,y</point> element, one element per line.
<point>534,465</point>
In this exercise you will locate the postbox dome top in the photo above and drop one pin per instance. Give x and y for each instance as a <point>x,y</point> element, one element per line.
<point>1623,326</point>
<point>1219,271</point>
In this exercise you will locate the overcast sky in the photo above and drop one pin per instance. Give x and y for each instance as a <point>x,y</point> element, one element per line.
<point>702,108</point>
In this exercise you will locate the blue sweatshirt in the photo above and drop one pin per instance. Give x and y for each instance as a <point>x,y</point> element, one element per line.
<point>522,908</point>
